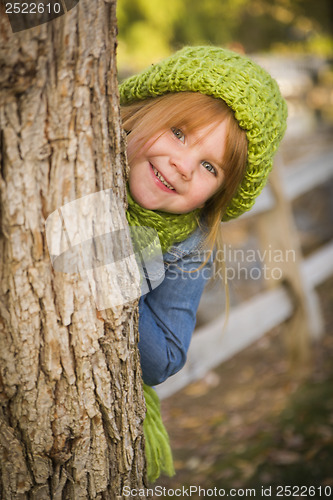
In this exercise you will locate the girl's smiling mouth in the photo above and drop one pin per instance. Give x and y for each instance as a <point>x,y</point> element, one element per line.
<point>160,178</point>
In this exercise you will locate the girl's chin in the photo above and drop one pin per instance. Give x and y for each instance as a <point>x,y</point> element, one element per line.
<point>143,201</point>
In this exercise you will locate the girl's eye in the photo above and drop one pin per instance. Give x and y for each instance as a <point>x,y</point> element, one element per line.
<point>209,167</point>
<point>178,133</point>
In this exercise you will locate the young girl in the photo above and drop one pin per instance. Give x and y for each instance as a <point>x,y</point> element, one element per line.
<point>202,128</point>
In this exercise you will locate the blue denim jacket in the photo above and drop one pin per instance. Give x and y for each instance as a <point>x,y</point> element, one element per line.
<point>167,314</point>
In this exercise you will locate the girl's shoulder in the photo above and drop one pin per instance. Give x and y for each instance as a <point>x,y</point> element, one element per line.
<point>193,247</point>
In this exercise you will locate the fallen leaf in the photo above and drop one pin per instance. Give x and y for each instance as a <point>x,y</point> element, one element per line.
<point>285,457</point>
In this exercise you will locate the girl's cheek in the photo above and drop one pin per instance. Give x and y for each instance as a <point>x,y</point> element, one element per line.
<point>134,150</point>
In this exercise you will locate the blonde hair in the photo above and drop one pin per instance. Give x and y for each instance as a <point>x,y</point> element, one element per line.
<point>143,119</point>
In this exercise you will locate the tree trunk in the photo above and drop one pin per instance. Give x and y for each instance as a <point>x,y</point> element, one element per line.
<point>70,383</point>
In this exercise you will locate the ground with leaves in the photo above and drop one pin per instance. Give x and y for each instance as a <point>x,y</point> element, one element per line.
<point>253,422</point>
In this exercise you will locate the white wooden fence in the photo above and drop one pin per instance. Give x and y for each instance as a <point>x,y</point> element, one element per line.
<point>250,320</point>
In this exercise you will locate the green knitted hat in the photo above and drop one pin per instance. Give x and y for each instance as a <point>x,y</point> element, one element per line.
<point>248,89</point>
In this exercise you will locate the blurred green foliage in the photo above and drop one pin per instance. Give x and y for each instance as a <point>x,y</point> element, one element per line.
<point>152,29</point>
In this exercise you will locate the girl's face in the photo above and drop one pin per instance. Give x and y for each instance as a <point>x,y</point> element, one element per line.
<point>178,171</point>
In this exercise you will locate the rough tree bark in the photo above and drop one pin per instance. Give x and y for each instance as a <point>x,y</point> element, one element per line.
<point>71,403</point>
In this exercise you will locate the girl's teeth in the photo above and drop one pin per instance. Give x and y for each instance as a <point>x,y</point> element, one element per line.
<point>161,178</point>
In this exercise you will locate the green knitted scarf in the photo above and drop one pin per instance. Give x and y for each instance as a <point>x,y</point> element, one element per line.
<point>171,228</point>
<point>157,445</point>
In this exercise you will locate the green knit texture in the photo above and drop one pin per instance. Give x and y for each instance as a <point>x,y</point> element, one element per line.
<point>157,448</point>
<point>171,228</point>
<point>247,88</point>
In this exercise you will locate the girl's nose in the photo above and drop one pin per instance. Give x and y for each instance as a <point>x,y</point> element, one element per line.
<point>185,165</point>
